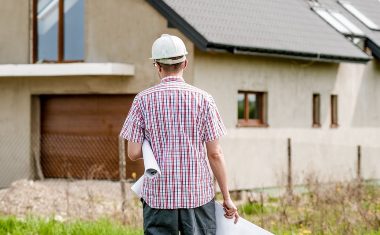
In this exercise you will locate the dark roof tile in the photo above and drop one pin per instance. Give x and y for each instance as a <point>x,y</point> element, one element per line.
<point>275,25</point>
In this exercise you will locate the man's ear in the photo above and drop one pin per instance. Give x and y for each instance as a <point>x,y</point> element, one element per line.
<point>159,67</point>
<point>184,67</point>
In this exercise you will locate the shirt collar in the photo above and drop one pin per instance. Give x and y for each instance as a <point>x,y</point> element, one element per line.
<point>172,79</point>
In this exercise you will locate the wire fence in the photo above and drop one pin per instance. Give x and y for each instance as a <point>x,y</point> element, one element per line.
<point>80,176</point>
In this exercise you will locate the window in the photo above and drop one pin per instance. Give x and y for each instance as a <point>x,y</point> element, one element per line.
<point>58,34</point>
<point>251,109</point>
<point>364,19</point>
<point>334,111</point>
<point>316,110</point>
<point>339,22</point>
<point>346,22</point>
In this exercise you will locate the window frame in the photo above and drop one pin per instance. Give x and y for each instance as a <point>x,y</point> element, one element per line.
<point>61,36</point>
<point>246,122</point>
<point>316,110</point>
<point>334,111</point>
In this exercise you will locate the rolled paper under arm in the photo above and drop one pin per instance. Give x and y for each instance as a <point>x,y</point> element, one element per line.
<point>150,163</point>
<point>224,226</point>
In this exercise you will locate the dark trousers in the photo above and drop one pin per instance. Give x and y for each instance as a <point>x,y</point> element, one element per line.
<point>195,221</point>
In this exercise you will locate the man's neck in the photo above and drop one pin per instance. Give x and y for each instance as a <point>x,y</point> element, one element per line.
<point>171,75</point>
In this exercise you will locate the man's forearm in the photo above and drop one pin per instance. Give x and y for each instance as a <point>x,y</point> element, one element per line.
<point>218,167</point>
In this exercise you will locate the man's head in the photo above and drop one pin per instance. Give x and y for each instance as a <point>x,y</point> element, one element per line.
<point>168,53</point>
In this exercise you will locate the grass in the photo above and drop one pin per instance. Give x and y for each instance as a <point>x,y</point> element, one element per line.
<point>32,226</point>
<point>334,209</point>
<point>350,208</point>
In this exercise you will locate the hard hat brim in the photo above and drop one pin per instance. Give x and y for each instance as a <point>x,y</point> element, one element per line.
<point>158,58</point>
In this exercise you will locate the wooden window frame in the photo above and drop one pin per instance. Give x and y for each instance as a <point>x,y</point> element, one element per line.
<point>246,122</point>
<point>61,36</point>
<point>316,110</point>
<point>334,111</point>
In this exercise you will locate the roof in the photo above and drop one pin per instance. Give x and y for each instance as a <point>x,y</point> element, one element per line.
<point>369,8</point>
<point>259,27</point>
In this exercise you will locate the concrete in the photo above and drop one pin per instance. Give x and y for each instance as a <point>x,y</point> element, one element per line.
<point>14,32</point>
<point>66,69</point>
<point>117,31</point>
<point>257,157</point>
<point>122,31</point>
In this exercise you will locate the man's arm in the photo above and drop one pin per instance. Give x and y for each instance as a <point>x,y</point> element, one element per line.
<point>218,166</point>
<point>135,150</point>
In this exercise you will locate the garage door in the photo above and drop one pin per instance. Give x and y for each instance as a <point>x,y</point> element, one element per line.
<point>79,136</point>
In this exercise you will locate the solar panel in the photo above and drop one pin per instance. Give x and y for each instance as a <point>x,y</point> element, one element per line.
<point>331,20</point>
<point>364,19</point>
<point>347,23</point>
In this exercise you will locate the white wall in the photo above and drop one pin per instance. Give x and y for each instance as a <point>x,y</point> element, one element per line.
<point>257,157</point>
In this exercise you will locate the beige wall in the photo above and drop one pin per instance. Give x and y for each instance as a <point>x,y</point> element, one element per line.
<point>115,31</point>
<point>257,157</point>
<point>124,31</point>
<point>14,32</point>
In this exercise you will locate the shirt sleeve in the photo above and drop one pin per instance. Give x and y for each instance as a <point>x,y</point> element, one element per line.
<point>214,127</point>
<point>133,128</point>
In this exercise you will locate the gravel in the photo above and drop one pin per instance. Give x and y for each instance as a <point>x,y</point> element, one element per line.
<point>65,199</point>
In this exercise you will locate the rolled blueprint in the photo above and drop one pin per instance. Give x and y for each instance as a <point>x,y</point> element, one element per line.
<point>137,187</point>
<point>224,226</point>
<point>150,163</point>
<point>151,167</point>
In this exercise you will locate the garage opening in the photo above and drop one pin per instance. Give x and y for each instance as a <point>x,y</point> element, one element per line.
<point>79,136</point>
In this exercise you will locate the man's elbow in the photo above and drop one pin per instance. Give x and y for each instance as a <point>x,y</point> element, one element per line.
<point>134,150</point>
<point>133,156</point>
<point>216,156</point>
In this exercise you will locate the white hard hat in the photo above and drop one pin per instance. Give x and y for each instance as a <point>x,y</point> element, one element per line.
<point>166,47</point>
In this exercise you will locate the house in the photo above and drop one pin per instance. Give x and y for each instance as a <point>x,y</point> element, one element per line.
<point>69,71</point>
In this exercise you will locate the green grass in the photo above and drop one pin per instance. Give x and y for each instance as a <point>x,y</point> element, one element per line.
<point>32,226</point>
<point>336,209</point>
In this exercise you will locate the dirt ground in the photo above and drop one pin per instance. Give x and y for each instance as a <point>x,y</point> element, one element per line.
<point>86,199</point>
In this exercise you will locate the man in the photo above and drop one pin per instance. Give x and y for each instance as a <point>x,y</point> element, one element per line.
<point>177,119</point>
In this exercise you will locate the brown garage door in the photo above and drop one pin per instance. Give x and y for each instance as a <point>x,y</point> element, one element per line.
<point>79,136</point>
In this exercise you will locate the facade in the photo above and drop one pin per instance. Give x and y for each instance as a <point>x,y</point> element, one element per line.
<point>320,90</point>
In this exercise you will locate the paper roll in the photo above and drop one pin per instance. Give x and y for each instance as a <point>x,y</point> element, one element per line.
<point>150,163</point>
<point>224,226</point>
<point>137,187</point>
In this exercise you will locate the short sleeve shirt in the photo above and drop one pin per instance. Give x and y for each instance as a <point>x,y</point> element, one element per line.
<point>177,119</point>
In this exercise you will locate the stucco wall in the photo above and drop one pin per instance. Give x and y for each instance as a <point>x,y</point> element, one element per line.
<point>14,32</point>
<point>115,31</point>
<point>124,31</point>
<point>257,157</point>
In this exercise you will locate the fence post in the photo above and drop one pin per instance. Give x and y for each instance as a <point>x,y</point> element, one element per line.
<point>122,171</point>
<point>359,163</point>
<point>289,183</point>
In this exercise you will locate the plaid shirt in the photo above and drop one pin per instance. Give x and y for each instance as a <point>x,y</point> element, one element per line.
<point>176,119</point>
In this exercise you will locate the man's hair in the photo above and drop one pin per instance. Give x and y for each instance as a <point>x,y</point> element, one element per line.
<point>172,68</point>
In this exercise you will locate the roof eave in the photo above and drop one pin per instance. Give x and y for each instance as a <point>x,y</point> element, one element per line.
<point>178,22</point>
<point>289,54</point>
<point>204,45</point>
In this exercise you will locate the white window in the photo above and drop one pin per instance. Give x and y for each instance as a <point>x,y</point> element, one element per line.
<point>346,22</point>
<point>339,22</point>
<point>364,19</point>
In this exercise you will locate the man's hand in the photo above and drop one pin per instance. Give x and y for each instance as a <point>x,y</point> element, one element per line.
<point>230,209</point>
